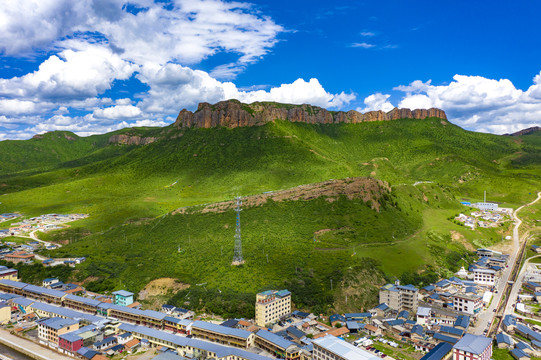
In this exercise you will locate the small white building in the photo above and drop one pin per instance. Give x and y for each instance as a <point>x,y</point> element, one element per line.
<point>484,277</point>
<point>49,281</point>
<point>468,304</point>
<point>462,273</point>
<point>486,206</point>
<point>423,315</point>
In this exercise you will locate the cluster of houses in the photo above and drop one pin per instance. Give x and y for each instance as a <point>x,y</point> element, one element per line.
<point>42,223</point>
<point>472,289</point>
<point>484,219</point>
<point>91,328</point>
<point>25,253</point>
<point>523,341</point>
<point>8,216</point>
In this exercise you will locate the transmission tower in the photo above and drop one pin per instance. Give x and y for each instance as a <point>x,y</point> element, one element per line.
<point>237,257</point>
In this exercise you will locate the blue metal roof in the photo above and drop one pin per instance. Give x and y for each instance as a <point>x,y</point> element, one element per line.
<point>221,329</point>
<point>418,329</point>
<point>110,340</point>
<point>60,311</point>
<point>462,321</point>
<point>357,315</point>
<point>230,323</point>
<point>403,314</point>
<point>283,293</point>
<point>509,320</point>
<point>536,344</point>
<point>123,293</point>
<point>41,290</point>
<point>445,338</point>
<point>517,354</point>
<point>534,335</point>
<point>395,322</point>
<point>219,350</point>
<point>523,346</point>
<point>443,283</point>
<point>154,314</point>
<point>474,344</point>
<point>429,288</point>
<point>503,338</point>
<point>24,302</point>
<point>353,325</point>
<point>58,323</point>
<point>87,353</point>
<point>6,297</point>
<point>275,339</point>
<point>439,352</point>
<point>336,317</point>
<point>292,330</point>
<point>83,300</point>
<point>300,314</point>
<point>451,330</point>
<point>175,320</point>
<point>15,284</point>
<point>382,307</point>
<point>71,337</point>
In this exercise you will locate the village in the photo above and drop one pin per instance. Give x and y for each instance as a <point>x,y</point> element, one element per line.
<point>42,223</point>
<point>431,323</point>
<point>28,251</point>
<point>485,215</point>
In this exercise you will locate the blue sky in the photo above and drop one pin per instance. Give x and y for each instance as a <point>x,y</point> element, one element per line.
<point>94,66</point>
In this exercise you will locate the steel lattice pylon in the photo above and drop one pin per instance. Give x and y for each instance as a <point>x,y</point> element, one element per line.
<point>237,257</point>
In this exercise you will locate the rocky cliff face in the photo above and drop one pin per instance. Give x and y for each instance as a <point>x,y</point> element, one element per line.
<point>131,140</point>
<point>233,113</point>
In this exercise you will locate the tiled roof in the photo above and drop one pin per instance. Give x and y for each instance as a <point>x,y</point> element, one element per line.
<point>221,329</point>
<point>275,339</point>
<point>439,352</point>
<point>474,344</point>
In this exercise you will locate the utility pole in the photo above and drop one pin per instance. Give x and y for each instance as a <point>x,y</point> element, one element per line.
<point>237,257</point>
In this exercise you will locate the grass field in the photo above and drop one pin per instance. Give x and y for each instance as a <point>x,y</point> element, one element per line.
<point>131,237</point>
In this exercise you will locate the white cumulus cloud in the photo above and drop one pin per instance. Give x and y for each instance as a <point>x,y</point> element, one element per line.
<point>377,101</point>
<point>478,103</point>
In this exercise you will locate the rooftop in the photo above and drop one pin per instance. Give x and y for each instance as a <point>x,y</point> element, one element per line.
<point>275,339</point>
<point>343,349</point>
<point>474,344</point>
<point>123,293</point>
<point>58,323</point>
<point>439,352</point>
<point>221,329</point>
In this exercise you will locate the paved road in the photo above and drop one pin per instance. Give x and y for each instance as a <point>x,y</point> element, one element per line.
<point>486,317</point>
<point>517,285</point>
<point>28,346</point>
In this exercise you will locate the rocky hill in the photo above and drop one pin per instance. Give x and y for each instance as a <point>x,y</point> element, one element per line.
<point>527,131</point>
<point>232,114</point>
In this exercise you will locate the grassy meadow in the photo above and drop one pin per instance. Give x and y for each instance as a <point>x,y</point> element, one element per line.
<point>132,237</point>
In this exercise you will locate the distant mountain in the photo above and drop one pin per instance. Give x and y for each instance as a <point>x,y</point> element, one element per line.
<point>527,131</point>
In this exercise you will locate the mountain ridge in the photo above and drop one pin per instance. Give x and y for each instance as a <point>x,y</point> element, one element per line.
<point>233,113</point>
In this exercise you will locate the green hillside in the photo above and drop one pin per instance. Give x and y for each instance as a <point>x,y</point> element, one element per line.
<point>130,238</point>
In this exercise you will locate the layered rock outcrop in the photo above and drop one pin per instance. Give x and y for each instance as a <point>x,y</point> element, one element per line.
<point>131,140</point>
<point>232,114</point>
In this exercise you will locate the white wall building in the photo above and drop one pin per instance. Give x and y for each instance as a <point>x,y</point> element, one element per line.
<point>484,277</point>
<point>468,304</point>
